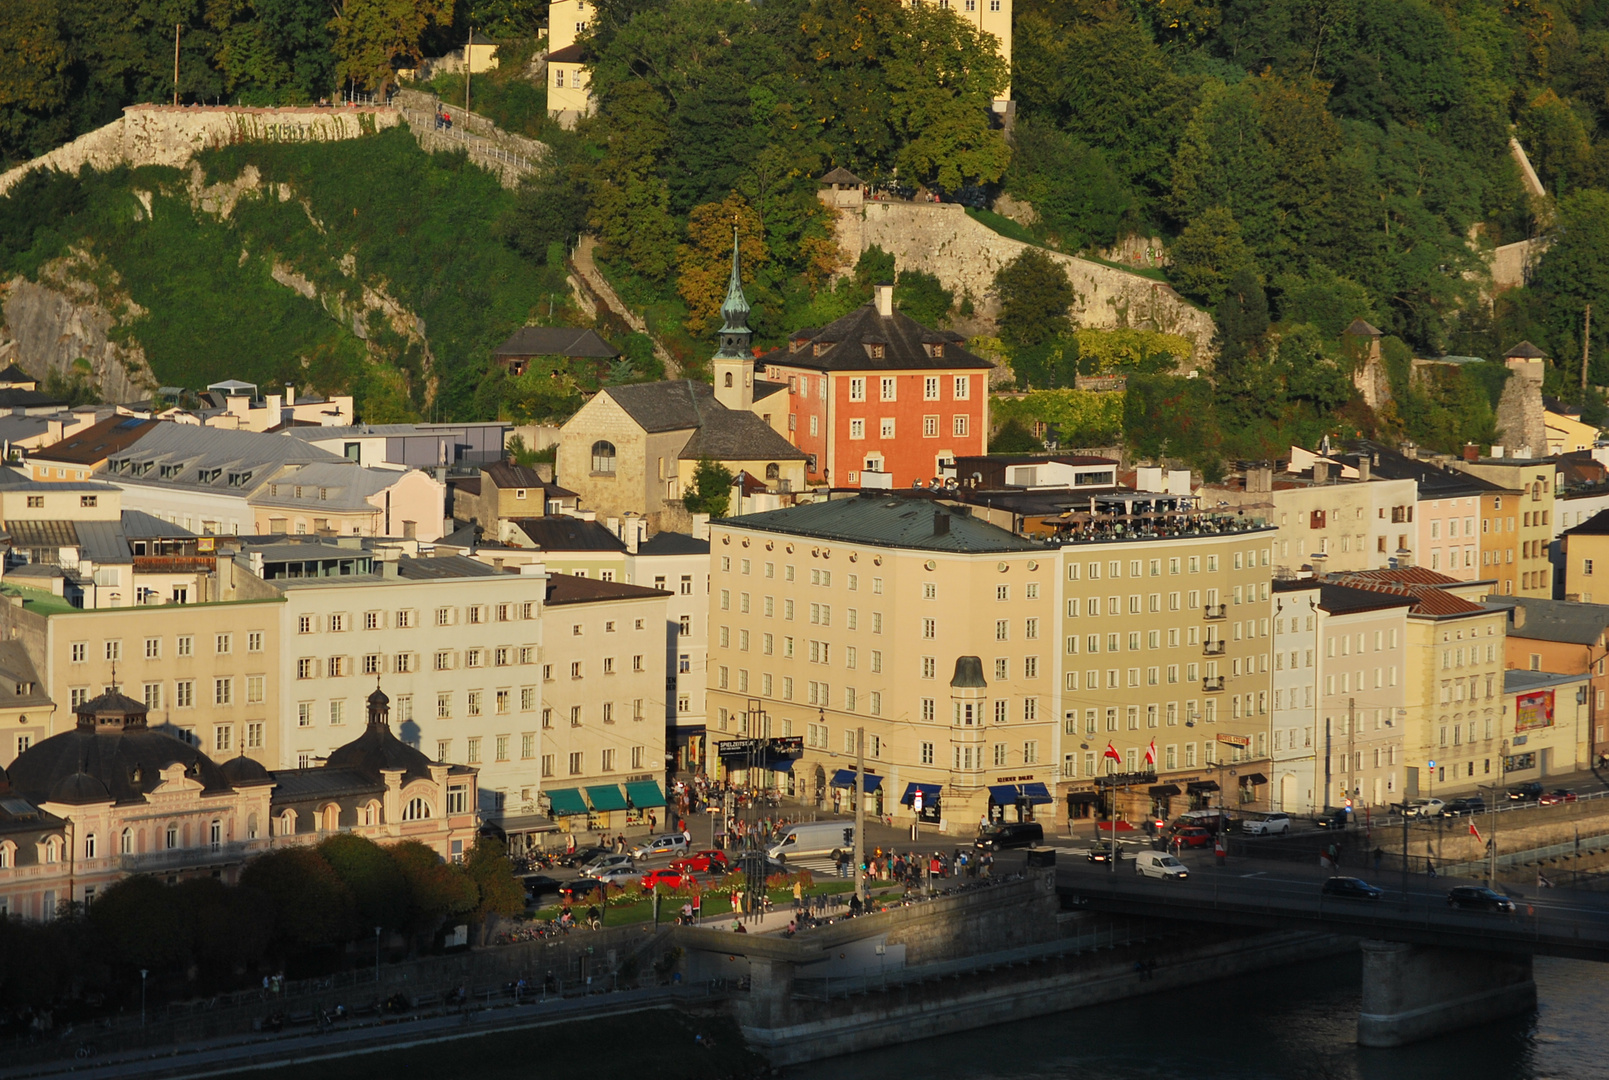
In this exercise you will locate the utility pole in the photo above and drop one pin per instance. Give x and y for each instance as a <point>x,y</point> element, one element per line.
<point>469,56</point>
<point>176,63</point>
<point>1586,343</point>
<point>860,813</point>
<point>1351,744</point>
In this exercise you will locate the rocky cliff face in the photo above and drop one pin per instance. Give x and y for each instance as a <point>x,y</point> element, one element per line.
<point>64,324</point>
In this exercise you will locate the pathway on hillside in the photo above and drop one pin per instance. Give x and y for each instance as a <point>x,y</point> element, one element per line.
<point>581,259</point>
<point>510,156</point>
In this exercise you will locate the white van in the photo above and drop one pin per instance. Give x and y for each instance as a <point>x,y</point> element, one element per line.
<point>1159,864</point>
<point>814,838</point>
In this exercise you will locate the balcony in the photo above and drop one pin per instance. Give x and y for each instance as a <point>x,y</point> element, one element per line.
<point>1212,683</point>
<point>1213,647</point>
<point>175,564</point>
<point>190,857</point>
<point>1214,611</point>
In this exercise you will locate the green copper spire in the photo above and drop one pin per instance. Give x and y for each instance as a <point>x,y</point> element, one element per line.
<point>735,332</point>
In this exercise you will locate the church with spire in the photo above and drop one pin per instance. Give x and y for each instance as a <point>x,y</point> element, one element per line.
<point>635,449</point>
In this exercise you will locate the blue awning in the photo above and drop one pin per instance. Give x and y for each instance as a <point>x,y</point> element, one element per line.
<point>1003,794</point>
<point>566,801</point>
<point>1038,794</point>
<point>781,764</point>
<point>930,792</point>
<point>846,778</point>
<point>606,797</point>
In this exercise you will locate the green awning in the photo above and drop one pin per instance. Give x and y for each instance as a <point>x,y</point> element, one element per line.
<point>644,794</point>
<point>566,801</point>
<point>606,797</point>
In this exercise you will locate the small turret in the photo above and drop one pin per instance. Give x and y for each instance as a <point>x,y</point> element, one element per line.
<point>734,363</point>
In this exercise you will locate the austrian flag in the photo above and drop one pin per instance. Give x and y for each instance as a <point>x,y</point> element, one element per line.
<point>1112,753</point>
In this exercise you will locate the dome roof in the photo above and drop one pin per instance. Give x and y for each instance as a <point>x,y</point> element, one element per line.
<point>377,750</point>
<point>242,770</point>
<point>79,789</point>
<point>126,762</point>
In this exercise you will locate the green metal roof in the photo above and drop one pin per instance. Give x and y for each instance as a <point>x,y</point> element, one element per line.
<point>887,520</point>
<point>606,797</point>
<point>644,794</point>
<point>567,801</point>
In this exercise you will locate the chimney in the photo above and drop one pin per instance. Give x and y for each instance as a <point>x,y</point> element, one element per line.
<point>1363,468</point>
<point>1471,452</point>
<point>941,523</point>
<point>544,471</point>
<point>1321,472</point>
<point>884,297</point>
<point>1259,479</point>
<point>290,397</point>
<point>1517,613</point>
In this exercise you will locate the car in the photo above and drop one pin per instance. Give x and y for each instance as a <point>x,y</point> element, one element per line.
<point>537,885</point>
<point>1480,898</point>
<point>618,875</point>
<point>1267,825</point>
<point>669,844</point>
<point>1554,798</point>
<point>582,856</point>
<point>605,862</point>
<point>1211,820</point>
<point>1338,817</point>
<point>668,878</point>
<point>581,890</point>
<point>1193,836</point>
<point>702,862</point>
<point>1528,792</point>
<point>1351,888</point>
<point>1474,804</point>
<point>1424,808</point>
<point>1101,854</point>
<point>1010,834</point>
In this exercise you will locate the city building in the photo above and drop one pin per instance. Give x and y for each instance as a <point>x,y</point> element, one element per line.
<point>1359,737</point>
<point>503,491</point>
<point>569,93</point>
<point>27,714</point>
<point>1585,554</point>
<point>878,400</point>
<point>343,498</point>
<point>679,564</point>
<point>603,735</point>
<point>1546,729</point>
<point>408,446</point>
<point>1526,520</point>
<point>568,343</point>
<point>1293,720</point>
<point>1566,638</point>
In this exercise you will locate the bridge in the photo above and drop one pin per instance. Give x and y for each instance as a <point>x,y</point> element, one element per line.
<point>1428,968</point>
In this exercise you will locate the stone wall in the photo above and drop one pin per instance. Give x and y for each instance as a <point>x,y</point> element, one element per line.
<point>1521,422</point>
<point>168,135</point>
<point>940,239</point>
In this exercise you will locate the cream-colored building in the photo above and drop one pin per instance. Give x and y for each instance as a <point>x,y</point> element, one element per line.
<point>603,704</point>
<point>1358,740</point>
<point>680,565</point>
<point>1547,727</point>
<point>569,95</point>
<point>1536,483</point>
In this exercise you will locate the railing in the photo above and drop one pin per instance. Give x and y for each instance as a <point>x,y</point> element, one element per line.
<point>1586,845</point>
<point>1213,647</point>
<point>1214,611</point>
<point>174,564</point>
<point>202,855</point>
<point>1215,682</point>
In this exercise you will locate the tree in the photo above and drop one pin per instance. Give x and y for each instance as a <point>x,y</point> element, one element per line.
<point>371,36</point>
<point>488,866</point>
<point>1034,297</point>
<point>705,262</point>
<point>1013,437</point>
<point>922,297</point>
<point>1574,272</point>
<point>437,890</point>
<point>137,920</point>
<point>311,906</point>
<point>1079,198</point>
<point>712,489</point>
<point>379,891</point>
<point>34,82</point>
<point>1208,253</point>
<point>1311,374</point>
<point>549,209</point>
<point>1166,416</point>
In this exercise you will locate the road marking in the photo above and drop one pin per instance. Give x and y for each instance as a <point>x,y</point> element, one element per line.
<point>1255,873</point>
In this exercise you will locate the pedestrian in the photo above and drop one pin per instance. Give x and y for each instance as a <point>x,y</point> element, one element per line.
<point>798,895</point>
<point>1378,855</point>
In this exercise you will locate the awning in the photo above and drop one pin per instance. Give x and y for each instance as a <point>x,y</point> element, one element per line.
<point>566,801</point>
<point>1082,798</point>
<point>929,793</point>
<point>1003,794</point>
<point>525,823</point>
<point>1254,778</point>
<point>1195,787</point>
<point>606,797</point>
<point>779,764</point>
<point>644,794</point>
<point>846,778</point>
<point>1038,794</point>
<point>1161,791</point>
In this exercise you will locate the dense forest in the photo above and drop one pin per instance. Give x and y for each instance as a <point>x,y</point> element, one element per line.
<point>1302,162</point>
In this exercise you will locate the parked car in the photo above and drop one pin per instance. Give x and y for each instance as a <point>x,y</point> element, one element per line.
<point>1267,825</point>
<point>1474,804</point>
<point>1554,798</point>
<point>1425,808</point>
<point>1193,837</point>
<point>539,885</point>
<point>581,890</point>
<point>1529,792</point>
<point>582,856</point>
<point>1480,898</point>
<point>1211,820</point>
<point>1010,834</point>
<point>604,862</point>
<point>1338,817</point>
<point>669,844</point>
<point>1351,888</point>
<point>618,875</point>
<point>668,878</point>
<point>703,862</point>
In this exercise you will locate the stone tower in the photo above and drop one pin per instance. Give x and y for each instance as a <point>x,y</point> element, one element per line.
<point>1520,417</point>
<point>734,363</point>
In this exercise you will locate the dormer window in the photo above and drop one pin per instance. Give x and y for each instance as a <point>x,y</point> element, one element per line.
<point>208,476</point>
<point>937,350</point>
<point>877,352</point>
<point>819,349</point>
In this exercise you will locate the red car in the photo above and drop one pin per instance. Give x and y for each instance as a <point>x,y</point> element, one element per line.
<point>668,878</point>
<point>1193,837</point>
<point>702,862</point>
<point>1554,798</point>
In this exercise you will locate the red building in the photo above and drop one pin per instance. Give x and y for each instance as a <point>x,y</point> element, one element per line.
<point>876,399</point>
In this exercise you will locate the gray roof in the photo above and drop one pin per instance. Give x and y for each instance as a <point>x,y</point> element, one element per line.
<point>15,480</point>
<point>231,460</point>
<point>17,428</point>
<point>718,432</point>
<point>97,541</point>
<point>561,532</point>
<point>338,484</point>
<point>17,674</point>
<point>556,341</point>
<point>139,525</point>
<point>296,785</point>
<point>674,543</point>
<point>442,566</point>
<point>887,521</point>
<point>844,345</point>
<point>313,433</point>
<point>1554,620</point>
<point>1518,681</point>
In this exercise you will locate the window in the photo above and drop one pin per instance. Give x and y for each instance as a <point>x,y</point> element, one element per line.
<point>959,424</point>
<point>886,427</point>
<point>184,694</point>
<point>930,426</point>
<point>857,429</point>
<point>603,458</point>
<point>223,691</point>
<point>79,651</point>
<point>114,650</point>
<point>857,389</point>
<point>963,389</point>
<point>930,390</point>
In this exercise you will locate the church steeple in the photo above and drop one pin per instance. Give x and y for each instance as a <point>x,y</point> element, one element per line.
<point>733,362</point>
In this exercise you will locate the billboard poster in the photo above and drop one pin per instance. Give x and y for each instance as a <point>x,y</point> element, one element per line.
<point>1533,710</point>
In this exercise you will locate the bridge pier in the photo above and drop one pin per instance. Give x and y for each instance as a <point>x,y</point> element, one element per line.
<point>1414,992</point>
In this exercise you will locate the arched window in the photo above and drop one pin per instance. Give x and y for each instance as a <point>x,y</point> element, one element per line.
<point>416,810</point>
<point>172,835</point>
<point>603,457</point>
<point>773,471</point>
<point>8,855</point>
<point>125,842</point>
<point>371,813</point>
<point>89,845</point>
<point>52,850</point>
<point>729,380</point>
<point>251,827</point>
<point>332,818</point>
<point>287,823</point>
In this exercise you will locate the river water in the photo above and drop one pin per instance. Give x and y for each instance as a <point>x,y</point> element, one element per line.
<point>1291,1023</point>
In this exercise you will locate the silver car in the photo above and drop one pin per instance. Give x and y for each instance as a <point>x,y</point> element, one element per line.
<point>1267,825</point>
<point>604,862</point>
<point>618,875</point>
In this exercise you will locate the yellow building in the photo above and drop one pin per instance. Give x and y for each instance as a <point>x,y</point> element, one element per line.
<point>1547,726</point>
<point>569,95</point>
<point>1567,434</point>
<point>1535,480</point>
<point>1586,560</point>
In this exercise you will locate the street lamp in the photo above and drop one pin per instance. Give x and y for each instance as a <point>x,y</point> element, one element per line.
<point>377,956</point>
<point>143,973</point>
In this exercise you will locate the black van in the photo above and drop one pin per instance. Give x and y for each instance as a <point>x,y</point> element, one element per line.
<point>1010,835</point>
